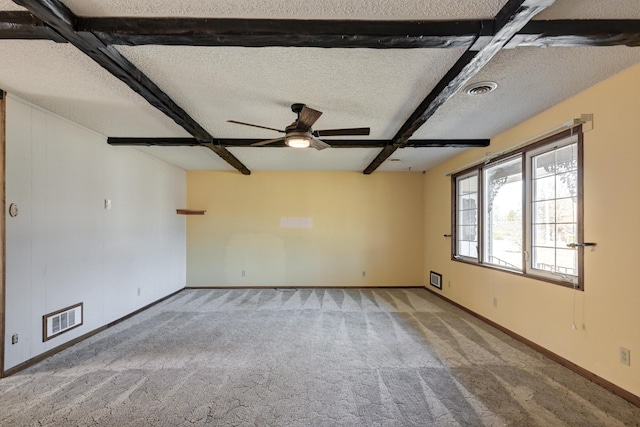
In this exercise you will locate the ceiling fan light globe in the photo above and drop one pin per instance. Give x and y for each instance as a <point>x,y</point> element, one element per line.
<point>297,141</point>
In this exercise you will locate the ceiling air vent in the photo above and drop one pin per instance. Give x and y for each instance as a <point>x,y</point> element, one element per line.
<point>481,88</point>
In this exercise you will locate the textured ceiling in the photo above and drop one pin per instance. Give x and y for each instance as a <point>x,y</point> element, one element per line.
<point>188,158</point>
<point>9,5</point>
<point>354,159</point>
<point>352,87</point>
<point>530,80</point>
<point>61,79</point>
<point>292,9</point>
<point>592,9</point>
<point>417,159</point>
<point>378,88</point>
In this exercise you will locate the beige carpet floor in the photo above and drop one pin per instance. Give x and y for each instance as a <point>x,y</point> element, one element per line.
<point>307,357</point>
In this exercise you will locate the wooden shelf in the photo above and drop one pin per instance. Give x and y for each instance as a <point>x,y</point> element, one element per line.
<point>189,212</point>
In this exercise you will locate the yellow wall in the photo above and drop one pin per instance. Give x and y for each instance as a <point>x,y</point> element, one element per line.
<point>608,311</point>
<point>372,223</point>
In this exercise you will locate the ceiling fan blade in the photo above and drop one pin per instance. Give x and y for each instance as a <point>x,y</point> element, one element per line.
<point>268,141</point>
<point>340,132</point>
<point>255,126</point>
<point>318,144</point>
<point>308,117</point>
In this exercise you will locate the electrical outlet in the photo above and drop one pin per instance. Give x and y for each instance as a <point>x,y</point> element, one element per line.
<point>107,203</point>
<point>625,356</point>
<point>448,283</point>
<point>364,273</point>
<point>14,339</point>
<point>138,291</point>
<point>495,302</point>
<point>243,273</point>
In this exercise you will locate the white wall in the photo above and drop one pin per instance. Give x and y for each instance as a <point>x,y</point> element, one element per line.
<point>64,247</point>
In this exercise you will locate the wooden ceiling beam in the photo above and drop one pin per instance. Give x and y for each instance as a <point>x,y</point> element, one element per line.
<point>514,15</point>
<point>57,16</point>
<point>19,25</point>
<point>452,143</point>
<point>579,33</point>
<point>158,142</point>
<point>335,143</point>
<point>326,33</point>
<point>283,32</point>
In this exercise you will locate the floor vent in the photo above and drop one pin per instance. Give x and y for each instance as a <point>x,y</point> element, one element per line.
<point>58,322</point>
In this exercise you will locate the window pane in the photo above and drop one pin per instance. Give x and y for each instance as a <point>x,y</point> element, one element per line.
<point>463,248</point>
<point>544,235</point>
<point>565,233</point>
<point>468,233</point>
<point>545,212</point>
<point>566,185</point>
<point>473,184</point>
<point>567,261</point>
<point>503,214</point>
<point>554,206</point>
<point>469,249</point>
<point>545,188</point>
<point>566,210</point>
<point>473,249</point>
<point>463,186</point>
<point>541,163</point>
<point>467,216</point>
<point>566,158</point>
<point>544,259</point>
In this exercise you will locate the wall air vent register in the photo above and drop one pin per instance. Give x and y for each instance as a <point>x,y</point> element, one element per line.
<point>435,280</point>
<point>58,322</point>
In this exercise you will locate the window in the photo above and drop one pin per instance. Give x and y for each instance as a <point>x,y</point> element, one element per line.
<point>526,211</point>
<point>553,208</point>
<point>467,216</point>
<point>503,214</point>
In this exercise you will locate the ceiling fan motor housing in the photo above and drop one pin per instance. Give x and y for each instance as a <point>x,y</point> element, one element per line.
<point>297,108</point>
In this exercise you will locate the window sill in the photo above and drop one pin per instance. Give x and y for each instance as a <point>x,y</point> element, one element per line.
<point>577,287</point>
